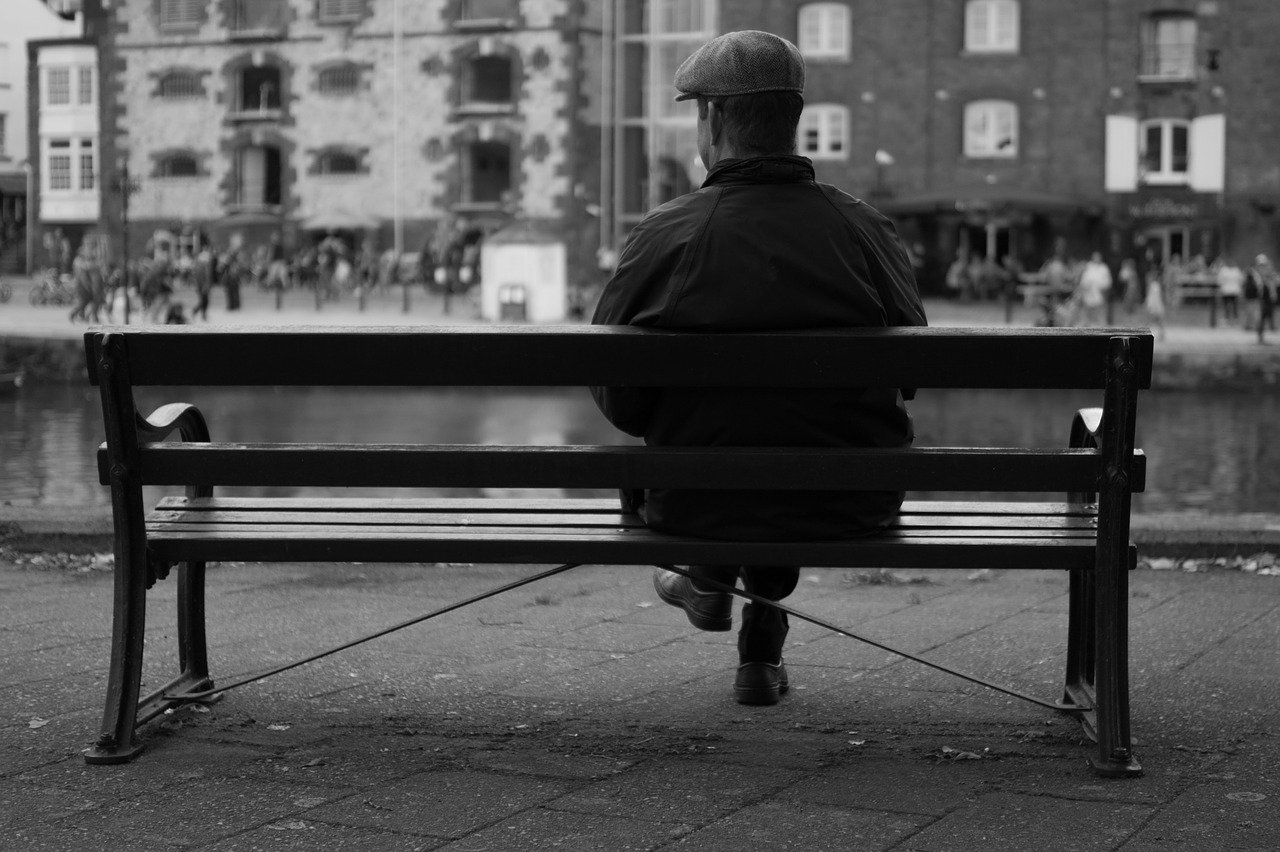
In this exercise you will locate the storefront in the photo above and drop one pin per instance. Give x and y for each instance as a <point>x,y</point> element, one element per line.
<point>1160,225</point>
<point>991,221</point>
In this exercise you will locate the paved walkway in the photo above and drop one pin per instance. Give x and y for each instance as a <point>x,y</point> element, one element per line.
<point>1188,329</point>
<point>583,714</point>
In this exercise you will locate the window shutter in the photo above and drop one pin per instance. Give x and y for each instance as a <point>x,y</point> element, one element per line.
<point>1207,170</point>
<point>1121,171</point>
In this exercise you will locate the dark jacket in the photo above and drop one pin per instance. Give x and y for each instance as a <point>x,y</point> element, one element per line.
<point>763,246</point>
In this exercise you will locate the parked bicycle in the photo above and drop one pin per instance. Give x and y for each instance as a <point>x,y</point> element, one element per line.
<point>53,289</point>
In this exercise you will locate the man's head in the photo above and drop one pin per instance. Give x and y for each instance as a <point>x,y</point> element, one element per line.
<point>748,86</point>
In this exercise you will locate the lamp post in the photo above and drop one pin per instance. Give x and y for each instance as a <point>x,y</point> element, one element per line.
<point>126,186</point>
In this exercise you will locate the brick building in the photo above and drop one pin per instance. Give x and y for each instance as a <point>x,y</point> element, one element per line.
<point>378,119</point>
<point>1002,127</point>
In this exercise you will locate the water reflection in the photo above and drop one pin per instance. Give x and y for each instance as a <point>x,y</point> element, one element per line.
<point>1208,451</point>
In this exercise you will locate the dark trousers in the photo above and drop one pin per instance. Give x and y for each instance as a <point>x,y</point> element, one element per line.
<point>764,628</point>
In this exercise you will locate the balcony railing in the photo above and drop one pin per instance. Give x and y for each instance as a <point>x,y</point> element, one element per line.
<point>1168,62</point>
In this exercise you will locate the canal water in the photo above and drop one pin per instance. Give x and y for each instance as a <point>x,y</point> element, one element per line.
<point>1208,452</point>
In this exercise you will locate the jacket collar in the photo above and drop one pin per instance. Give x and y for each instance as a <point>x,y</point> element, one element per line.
<point>782,168</point>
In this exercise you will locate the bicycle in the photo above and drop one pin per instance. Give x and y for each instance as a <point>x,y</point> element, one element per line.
<point>53,289</point>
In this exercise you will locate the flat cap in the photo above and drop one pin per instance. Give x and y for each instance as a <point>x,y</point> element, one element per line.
<point>741,63</point>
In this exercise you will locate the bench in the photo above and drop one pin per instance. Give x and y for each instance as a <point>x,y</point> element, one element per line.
<point>1085,532</point>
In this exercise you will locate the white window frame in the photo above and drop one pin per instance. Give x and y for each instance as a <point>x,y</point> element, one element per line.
<point>86,165</point>
<point>63,87</point>
<point>61,149</point>
<point>1165,175</point>
<point>986,146</point>
<point>992,26</point>
<point>823,30</point>
<point>824,132</point>
<point>85,85</point>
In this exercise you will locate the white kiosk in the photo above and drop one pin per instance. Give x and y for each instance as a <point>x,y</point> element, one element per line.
<point>523,275</point>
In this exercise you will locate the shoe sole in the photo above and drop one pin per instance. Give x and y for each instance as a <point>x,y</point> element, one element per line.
<point>702,622</point>
<point>760,696</point>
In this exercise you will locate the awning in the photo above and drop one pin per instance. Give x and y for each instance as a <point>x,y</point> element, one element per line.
<point>339,220</point>
<point>985,198</point>
<point>13,184</point>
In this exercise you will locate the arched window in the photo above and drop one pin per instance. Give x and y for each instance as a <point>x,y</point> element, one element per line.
<point>824,132</point>
<point>823,31</point>
<point>991,26</point>
<point>343,79</point>
<point>180,85</point>
<point>338,161</point>
<point>991,129</point>
<point>177,165</point>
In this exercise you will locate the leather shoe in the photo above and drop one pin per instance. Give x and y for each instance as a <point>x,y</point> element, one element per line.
<point>760,683</point>
<point>706,610</point>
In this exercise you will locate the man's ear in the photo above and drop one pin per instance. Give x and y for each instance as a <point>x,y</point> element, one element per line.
<point>715,122</point>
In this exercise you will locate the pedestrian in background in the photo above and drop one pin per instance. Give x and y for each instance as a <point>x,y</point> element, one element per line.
<point>1265,281</point>
<point>1131,282</point>
<point>1092,291</point>
<point>1230,278</point>
<point>1155,300</point>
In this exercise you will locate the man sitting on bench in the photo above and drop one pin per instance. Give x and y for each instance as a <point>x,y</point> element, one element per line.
<point>760,246</point>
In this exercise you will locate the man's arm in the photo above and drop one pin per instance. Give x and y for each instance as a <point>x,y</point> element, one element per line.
<point>635,295</point>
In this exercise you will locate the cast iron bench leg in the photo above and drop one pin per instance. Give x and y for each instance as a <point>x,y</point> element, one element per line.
<point>117,743</point>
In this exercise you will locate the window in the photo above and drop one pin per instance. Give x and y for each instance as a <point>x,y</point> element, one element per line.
<point>1169,47</point>
<point>991,129</point>
<point>824,132</point>
<point>486,172</point>
<point>85,78</point>
<point>341,11</point>
<point>259,89</point>
<point>257,16</point>
<point>180,85</point>
<point>340,79</point>
<point>88,170</point>
<point>59,164</point>
<point>824,31</point>
<point>338,163</point>
<point>178,166</point>
<point>58,86</point>
<point>181,14</point>
<point>487,79</point>
<point>991,26</point>
<point>486,10</point>
<point>1164,152</point>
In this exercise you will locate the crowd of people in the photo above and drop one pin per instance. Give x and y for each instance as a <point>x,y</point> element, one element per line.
<point>1075,292</point>
<point>154,286</point>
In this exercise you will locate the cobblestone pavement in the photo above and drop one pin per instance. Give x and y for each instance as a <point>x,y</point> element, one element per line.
<point>581,713</point>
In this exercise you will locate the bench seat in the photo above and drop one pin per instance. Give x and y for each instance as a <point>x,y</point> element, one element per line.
<point>929,534</point>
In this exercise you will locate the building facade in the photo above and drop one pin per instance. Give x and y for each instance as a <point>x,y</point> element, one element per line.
<point>993,127</point>
<point>385,121</point>
<point>24,21</point>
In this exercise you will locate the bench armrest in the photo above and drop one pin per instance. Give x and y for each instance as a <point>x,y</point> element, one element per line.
<point>184,417</point>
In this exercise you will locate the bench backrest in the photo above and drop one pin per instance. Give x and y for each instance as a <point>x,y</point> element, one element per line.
<point>624,356</point>
<point>1116,361</point>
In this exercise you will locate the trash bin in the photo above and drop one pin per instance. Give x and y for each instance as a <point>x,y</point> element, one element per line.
<point>512,302</point>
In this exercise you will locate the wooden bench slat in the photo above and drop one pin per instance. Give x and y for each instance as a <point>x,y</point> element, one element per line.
<point>925,552</point>
<point>595,355</point>
<point>569,504</point>
<point>583,466</point>
<point>572,519</point>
